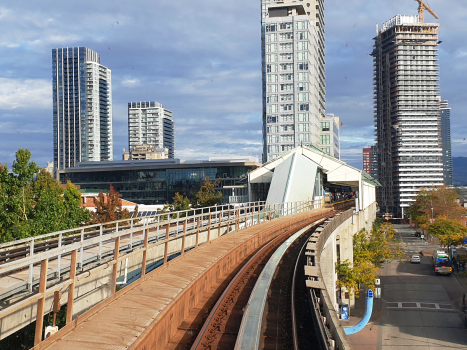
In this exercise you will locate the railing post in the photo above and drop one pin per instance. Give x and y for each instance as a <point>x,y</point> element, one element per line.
<point>82,247</point>
<point>197,231</point>
<point>116,229</point>
<point>209,226</point>
<point>166,250</point>
<point>59,258</point>
<point>221,214</point>
<point>113,285</point>
<point>145,251</point>
<point>31,266</point>
<point>100,242</point>
<point>185,223</point>
<point>71,288</point>
<point>228,222</point>
<point>41,302</point>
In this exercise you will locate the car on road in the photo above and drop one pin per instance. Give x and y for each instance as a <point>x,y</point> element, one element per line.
<point>415,259</point>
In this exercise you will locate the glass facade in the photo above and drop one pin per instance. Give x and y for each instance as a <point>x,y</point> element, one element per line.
<point>158,185</point>
<point>82,107</point>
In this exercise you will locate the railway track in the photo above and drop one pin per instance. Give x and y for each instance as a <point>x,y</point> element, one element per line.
<point>221,325</point>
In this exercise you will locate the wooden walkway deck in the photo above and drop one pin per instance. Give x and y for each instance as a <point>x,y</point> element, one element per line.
<point>145,314</point>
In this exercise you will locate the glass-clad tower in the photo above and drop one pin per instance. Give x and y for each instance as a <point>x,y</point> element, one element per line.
<point>82,107</point>
<point>445,116</point>
<point>149,123</point>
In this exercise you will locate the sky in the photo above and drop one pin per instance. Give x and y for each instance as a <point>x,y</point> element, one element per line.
<point>202,60</point>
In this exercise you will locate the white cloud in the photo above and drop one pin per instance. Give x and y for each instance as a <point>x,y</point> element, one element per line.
<point>25,94</point>
<point>130,82</point>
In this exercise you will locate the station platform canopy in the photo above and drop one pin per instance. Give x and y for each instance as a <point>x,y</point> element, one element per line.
<point>299,175</point>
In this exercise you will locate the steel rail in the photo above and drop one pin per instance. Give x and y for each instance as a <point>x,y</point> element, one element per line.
<point>249,335</point>
<point>231,292</point>
<point>294,317</point>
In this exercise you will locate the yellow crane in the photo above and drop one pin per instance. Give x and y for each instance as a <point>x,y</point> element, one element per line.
<point>421,7</point>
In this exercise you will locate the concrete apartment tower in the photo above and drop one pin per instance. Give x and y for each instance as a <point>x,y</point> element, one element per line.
<point>293,75</point>
<point>407,120</point>
<point>82,107</point>
<point>149,123</point>
<point>445,116</point>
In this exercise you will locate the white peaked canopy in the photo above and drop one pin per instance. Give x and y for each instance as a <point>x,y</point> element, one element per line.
<point>292,176</point>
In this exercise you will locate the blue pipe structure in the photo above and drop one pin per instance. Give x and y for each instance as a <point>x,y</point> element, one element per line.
<point>369,308</point>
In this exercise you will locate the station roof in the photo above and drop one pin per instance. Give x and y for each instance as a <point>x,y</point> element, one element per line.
<point>338,172</point>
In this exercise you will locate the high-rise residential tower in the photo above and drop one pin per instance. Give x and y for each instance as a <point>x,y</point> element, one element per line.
<point>370,161</point>
<point>445,116</point>
<point>82,107</point>
<point>406,110</point>
<point>149,123</point>
<point>293,75</point>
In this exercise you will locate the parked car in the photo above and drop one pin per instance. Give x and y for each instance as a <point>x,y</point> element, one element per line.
<point>415,259</point>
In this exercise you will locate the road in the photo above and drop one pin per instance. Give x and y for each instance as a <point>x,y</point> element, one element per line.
<point>418,310</point>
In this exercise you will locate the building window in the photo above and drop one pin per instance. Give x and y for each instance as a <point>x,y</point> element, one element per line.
<point>271,27</point>
<point>325,126</point>
<point>325,139</point>
<point>303,107</point>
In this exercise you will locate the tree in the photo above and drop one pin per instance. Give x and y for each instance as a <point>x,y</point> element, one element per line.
<point>370,251</point>
<point>437,201</point>
<point>33,203</point>
<point>181,203</point>
<point>207,196</point>
<point>450,232</point>
<point>109,208</point>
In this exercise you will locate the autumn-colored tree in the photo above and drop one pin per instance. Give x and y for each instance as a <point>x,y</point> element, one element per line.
<point>207,196</point>
<point>109,208</point>
<point>370,251</point>
<point>443,200</point>
<point>450,232</point>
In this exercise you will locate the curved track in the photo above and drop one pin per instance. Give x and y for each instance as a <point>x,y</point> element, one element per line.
<point>223,323</point>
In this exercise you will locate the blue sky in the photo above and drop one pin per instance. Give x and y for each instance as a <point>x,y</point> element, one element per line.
<point>202,60</point>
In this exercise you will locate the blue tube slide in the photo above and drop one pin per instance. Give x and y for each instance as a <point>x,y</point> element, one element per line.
<point>369,308</point>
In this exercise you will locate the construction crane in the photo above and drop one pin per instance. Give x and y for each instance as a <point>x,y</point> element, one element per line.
<point>421,7</point>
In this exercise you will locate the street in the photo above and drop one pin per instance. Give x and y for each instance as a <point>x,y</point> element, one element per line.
<point>418,310</point>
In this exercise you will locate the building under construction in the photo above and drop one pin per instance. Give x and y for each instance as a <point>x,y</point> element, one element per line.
<point>407,116</point>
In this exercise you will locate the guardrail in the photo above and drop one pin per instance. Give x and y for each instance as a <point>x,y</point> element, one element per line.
<point>33,245</point>
<point>322,305</point>
<point>139,240</point>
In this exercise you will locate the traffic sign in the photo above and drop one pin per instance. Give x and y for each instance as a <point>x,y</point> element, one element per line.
<point>426,243</point>
<point>369,293</point>
<point>422,236</point>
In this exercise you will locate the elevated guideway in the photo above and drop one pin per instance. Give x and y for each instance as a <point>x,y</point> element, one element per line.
<point>87,271</point>
<point>146,313</point>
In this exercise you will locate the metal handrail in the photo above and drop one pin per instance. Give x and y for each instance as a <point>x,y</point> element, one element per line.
<point>131,220</point>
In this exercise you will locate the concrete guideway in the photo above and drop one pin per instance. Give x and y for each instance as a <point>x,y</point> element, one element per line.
<point>418,310</point>
<point>148,312</point>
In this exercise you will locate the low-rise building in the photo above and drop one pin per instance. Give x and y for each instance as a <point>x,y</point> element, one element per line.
<point>156,181</point>
<point>141,152</point>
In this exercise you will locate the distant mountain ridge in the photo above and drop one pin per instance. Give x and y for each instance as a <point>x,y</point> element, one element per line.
<point>459,171</point>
